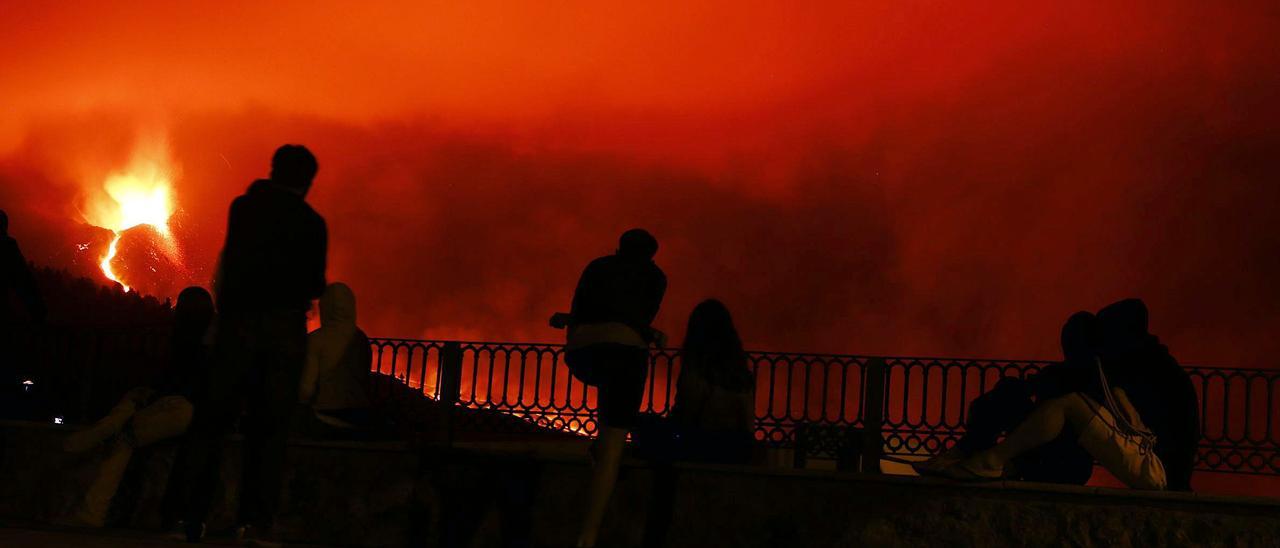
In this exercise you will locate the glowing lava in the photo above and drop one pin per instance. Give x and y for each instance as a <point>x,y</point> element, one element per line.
<point>142,195</point>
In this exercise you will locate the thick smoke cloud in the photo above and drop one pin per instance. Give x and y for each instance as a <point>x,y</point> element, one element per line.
<point>951,184</point>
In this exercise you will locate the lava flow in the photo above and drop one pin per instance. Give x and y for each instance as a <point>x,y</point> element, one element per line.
<point>143,195</point>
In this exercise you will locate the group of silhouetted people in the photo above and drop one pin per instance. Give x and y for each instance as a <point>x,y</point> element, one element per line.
<point>1118,396</point>
<point>243,354</point>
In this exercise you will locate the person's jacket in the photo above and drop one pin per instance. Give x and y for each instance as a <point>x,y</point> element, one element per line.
<point>1165,399</point>
<point>619,289</point>
<point>274,256</point>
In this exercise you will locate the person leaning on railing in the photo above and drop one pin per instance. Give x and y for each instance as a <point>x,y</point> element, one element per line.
<point>609,330</point>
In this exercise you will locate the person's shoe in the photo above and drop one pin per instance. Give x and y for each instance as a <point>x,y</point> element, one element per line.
<point>971,469</point>
<point>936,464</point>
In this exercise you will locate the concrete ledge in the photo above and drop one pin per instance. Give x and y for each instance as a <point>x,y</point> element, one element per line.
<point>393,494</point>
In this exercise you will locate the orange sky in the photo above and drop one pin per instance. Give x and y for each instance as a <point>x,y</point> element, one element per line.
<point>908,177</point>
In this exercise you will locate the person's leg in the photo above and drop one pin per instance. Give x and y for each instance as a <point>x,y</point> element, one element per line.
<point>97,499</point>
<point>604,474</point>
<point>173,504</point>
<point>106,427</point>
<point>995,413</point>
<point>1043,425</point>
<point>272,407</point>
<point>1062,460</point>
<point>168,417</point>
<point>618,402</point>
<point>217,406</point>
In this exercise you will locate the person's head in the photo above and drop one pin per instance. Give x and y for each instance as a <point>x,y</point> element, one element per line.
<point>637,243</point>
<point>4,223</point>
<point>193,313</point>
<point>712,344</point>
<point>1080,337</point>
<point>337,305</point>
<point>294,167</point>
<point>1122,325</point>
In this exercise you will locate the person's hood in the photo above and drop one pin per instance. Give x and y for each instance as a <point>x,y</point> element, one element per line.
<point>1122,326</point>
<point>337,306</point>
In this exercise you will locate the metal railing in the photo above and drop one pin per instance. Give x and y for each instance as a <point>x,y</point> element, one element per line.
<point>898,406</point>
<point>912,406</point>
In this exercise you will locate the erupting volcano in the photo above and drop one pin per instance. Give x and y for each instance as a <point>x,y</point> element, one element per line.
<point>140,195</point>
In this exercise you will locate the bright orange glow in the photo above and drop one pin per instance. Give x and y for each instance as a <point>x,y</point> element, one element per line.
<point>142,195</point>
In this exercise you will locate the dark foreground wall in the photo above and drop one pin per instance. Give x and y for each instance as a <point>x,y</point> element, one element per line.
<point>390,495</point>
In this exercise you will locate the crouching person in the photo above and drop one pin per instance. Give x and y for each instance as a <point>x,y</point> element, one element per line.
<point>147,415</point>
<point>334,392</point>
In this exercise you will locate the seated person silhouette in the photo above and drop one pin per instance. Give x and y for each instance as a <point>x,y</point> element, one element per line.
<point>607,346</point>
<point>148,414</point>
<point>334,391</point>
<point>713,417</point>
<point>1143,429</point>
<point>997,412</point>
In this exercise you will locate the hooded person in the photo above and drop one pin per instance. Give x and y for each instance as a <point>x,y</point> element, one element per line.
<point>335,378</point>
<point>1159,388</point>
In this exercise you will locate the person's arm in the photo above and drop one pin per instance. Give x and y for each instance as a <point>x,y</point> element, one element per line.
<point>585,294</point>
<point>310,372</point>
<point>316,258</point>
<point>364,362</point>
<point>653,302</point>
<point>231,257</point>
<point>655,298</point>
<point>1127,408</point>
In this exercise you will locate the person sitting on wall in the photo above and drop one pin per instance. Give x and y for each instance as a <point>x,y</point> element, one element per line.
<point>713,416</point>
<point>334,391</point>
<point>1145,428</point>
<point>148,414</point>
<point>997,412</point>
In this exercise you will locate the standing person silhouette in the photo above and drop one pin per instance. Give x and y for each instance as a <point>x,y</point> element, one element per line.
<point>16,276</point>
<point>609,333</point>
<point>272,267</point>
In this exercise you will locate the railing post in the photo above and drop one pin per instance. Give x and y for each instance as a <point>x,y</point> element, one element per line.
<point>800,452</point>
<point>877,385</point>
<point>450,384</point>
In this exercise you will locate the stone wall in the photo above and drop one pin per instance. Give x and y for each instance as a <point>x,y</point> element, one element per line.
<point>391,495</point>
